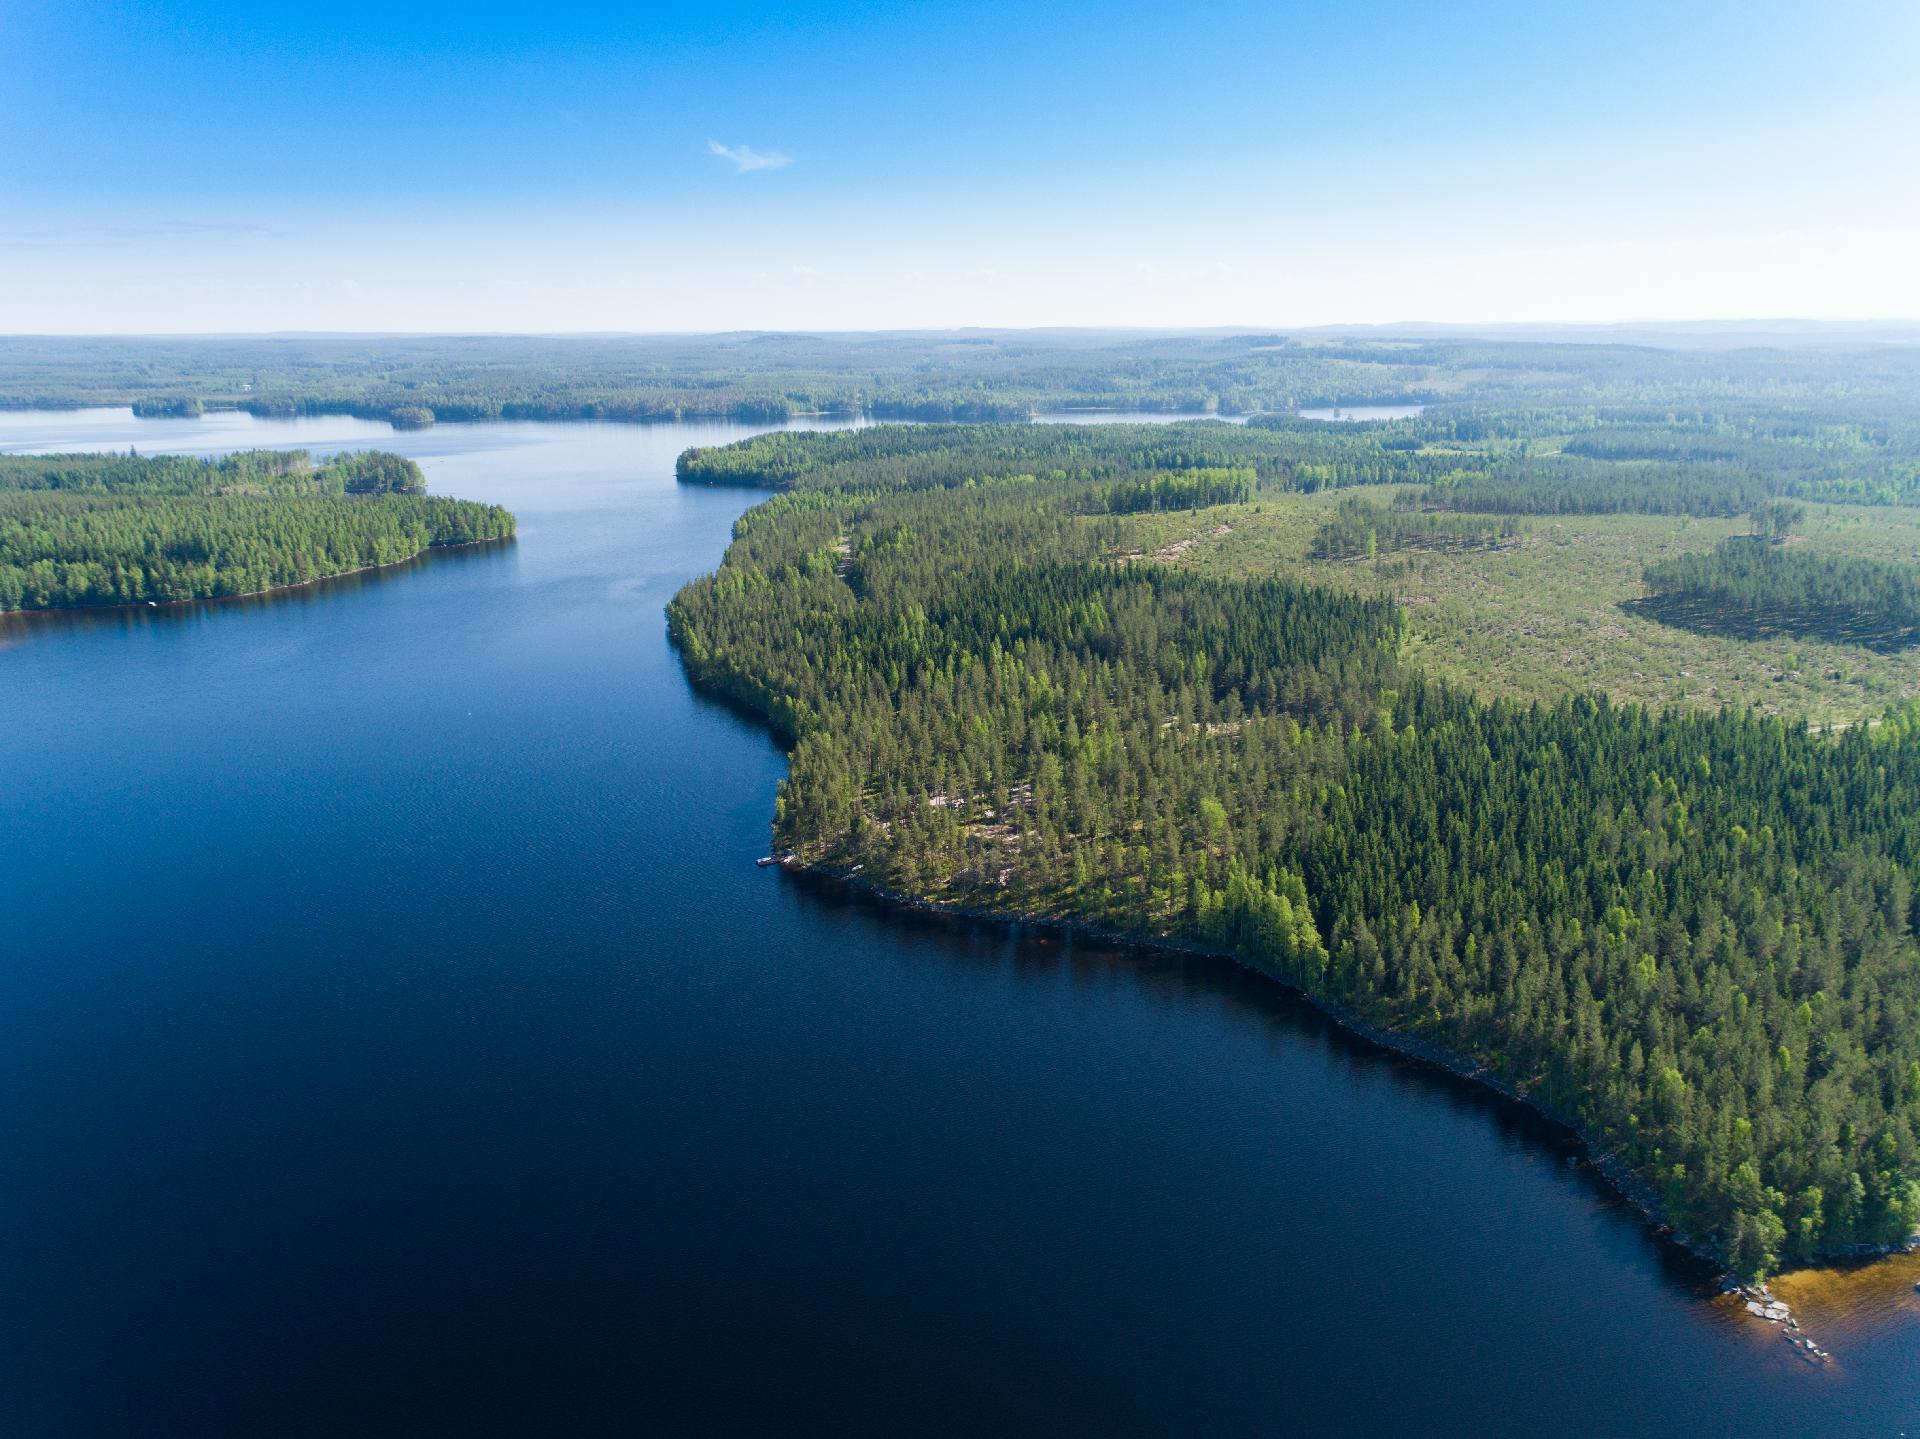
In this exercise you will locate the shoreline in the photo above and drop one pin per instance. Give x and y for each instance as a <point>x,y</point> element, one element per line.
<point>690,417</point>
<point>1614,1174</point>
<point>136,605</point>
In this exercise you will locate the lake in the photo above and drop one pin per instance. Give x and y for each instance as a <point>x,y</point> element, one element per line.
<point>396,1037</point>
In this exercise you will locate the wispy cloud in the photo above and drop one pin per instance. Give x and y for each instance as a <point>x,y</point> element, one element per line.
<point>744,158</point>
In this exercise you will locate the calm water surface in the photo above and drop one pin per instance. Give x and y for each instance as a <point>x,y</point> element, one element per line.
<point>397,1038</point>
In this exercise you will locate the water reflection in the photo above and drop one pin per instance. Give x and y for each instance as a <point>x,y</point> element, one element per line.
<point>1286,1019</point>
<point>20,626</point>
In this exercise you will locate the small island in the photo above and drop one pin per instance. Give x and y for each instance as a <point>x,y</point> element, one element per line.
<point>169,407</point>
<point>110,529</point>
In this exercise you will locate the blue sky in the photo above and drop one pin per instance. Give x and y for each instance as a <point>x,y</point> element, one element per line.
<point>194,166</point>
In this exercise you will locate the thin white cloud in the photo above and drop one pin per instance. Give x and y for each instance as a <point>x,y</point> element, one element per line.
<point>745,158</point>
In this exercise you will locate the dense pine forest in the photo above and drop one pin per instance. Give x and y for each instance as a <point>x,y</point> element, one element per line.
<point>1755,585</point>
<point>121,529</point>
<point>1563,485</point>
<point>1690,933</point>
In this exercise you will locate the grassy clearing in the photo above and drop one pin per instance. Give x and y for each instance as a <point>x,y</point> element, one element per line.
<point>1553,612</point>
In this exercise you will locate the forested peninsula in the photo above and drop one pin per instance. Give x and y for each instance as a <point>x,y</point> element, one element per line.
<point>107,529</point>
<point>1687,931</point>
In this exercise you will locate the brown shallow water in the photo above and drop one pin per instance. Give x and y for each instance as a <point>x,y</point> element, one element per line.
<point>1867,1301</point>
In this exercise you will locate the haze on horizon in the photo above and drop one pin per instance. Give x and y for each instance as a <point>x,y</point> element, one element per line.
<point>203,167</point>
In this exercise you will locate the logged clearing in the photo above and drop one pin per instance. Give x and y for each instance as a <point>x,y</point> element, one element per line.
<point>1557,611</point>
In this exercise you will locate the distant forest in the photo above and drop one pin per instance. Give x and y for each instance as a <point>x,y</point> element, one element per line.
<point>1481,462</point>
<point>1308,457</point>
<point>79,530</point>
<point>1823,396</point>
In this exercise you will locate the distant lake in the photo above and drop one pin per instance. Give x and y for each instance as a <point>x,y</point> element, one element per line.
<point>396,1038</point>
<point>1357,413</point>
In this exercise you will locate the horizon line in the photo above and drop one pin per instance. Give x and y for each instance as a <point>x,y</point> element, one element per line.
<point>1809,322</point>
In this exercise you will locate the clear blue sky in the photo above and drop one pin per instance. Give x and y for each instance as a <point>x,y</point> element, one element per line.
<point>200,166</point>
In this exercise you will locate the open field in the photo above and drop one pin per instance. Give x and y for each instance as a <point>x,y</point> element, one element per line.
<point>1554,612</point>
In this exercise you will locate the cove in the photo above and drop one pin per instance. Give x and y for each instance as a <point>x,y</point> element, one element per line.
<point>396,1036</point>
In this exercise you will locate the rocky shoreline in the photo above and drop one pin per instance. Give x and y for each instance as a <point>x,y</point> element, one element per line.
<point>1762,1305</point>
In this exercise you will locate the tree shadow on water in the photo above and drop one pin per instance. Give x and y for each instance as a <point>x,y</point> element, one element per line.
<point>19,626</point>
<point>1245,995</point>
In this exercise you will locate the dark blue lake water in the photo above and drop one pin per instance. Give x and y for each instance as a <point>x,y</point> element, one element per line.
<point>396,1037</point>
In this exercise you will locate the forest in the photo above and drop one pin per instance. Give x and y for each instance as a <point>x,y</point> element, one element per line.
<point>1689,932</point>
<point>78,530</point>
<point>250,472</point>
<point>1361,529</point>
<point>1565,485</point>
<point>1753,584</point>
<point>1816,400</point>
<point>883,457</point>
